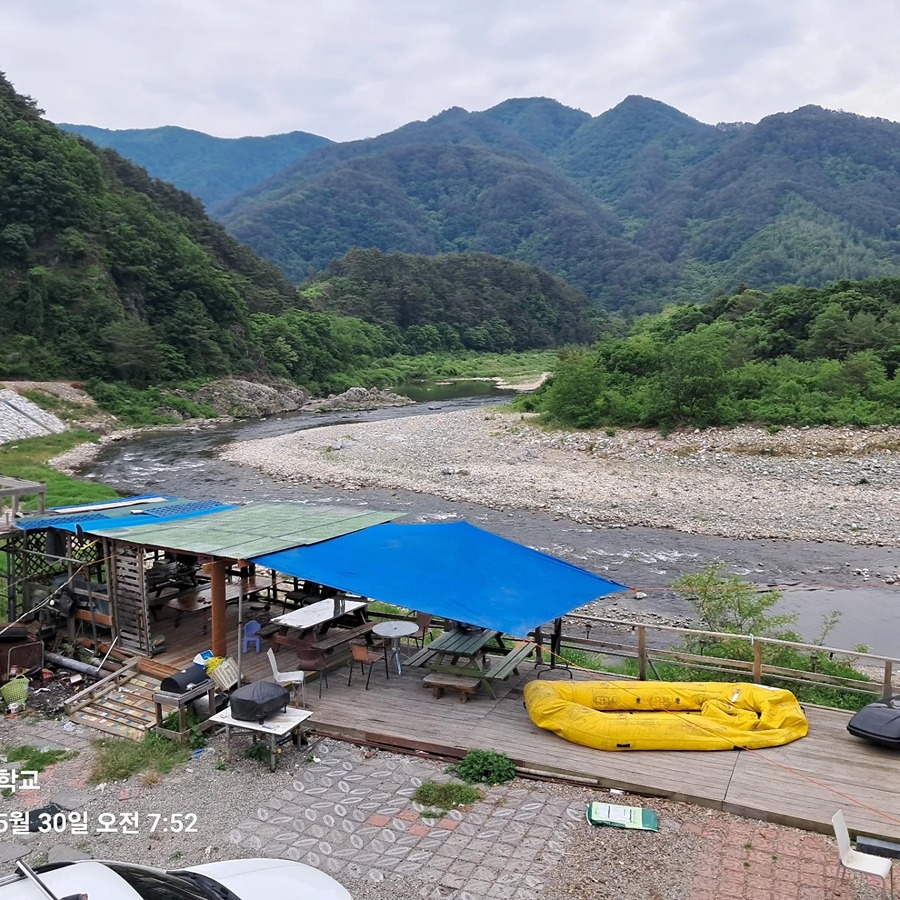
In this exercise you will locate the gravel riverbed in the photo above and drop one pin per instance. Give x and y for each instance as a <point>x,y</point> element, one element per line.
<point>836,484</point>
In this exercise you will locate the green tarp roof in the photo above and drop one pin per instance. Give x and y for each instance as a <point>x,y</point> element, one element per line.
<point>248,530</point>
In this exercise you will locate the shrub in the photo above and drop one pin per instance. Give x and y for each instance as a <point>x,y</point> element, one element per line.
<point>484,767</point>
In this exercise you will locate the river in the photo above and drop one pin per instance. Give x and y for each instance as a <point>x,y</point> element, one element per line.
<point>816,577</point>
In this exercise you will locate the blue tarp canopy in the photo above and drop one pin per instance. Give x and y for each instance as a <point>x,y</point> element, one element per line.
<point>449,569</point>
<point>150,509</point>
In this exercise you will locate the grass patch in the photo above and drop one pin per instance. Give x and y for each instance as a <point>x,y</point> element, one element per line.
<point>34,759</point>
<point>27,459</point>
<point>119,758</point>
<point>376,606</point>
<point>141,407</point>
<point>819,695</point>
<point>439,797</point>
<point>579,659</point>
<point>64,409</point>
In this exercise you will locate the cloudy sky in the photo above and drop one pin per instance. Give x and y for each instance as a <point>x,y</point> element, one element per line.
<point>348,69</point>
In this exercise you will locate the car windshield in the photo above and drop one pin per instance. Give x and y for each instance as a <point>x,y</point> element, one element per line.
<point>153,884</point>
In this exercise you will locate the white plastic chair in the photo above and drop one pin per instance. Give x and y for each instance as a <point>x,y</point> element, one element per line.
<point>288,679</point>
<point>856,861</point>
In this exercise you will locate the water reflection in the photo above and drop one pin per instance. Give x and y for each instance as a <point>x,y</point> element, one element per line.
<point>424,391</point>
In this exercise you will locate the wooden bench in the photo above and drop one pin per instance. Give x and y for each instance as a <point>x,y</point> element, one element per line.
<point>343,636</point>
<point>200,599</point>
<point>439,682</point>
<point>289,641</point>
<point>510,662</point>
<point>421,658</point>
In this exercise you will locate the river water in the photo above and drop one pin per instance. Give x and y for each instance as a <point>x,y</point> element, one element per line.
<point>816,577</point>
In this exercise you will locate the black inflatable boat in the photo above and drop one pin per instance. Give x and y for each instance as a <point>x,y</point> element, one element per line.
<point>878,722</point>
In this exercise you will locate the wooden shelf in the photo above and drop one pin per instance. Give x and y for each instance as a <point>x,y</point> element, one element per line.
<point>84,615</point>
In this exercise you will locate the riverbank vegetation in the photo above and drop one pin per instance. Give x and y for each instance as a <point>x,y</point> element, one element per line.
<point>138,407</point>
<point>796,356</point>
<point>28,459</point>
<point>726,605</point>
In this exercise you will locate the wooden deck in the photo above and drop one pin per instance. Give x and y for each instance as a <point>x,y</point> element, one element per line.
<point>802,784</point>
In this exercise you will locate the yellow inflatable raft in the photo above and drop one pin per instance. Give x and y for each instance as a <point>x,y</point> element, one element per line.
<point>654,715</point>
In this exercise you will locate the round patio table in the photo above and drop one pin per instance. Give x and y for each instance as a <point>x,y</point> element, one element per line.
<point>395,630</point>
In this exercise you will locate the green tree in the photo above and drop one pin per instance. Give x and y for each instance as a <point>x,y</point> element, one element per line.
<point>728,604</point>
<point>571,398</point>
<point>692,380</point>
<point>133,348</point>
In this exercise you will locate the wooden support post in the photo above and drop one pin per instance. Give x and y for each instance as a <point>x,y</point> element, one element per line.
<point>217,595</point>
<point>888,685</point>
<point>757,662</point>
<point>642,652</point>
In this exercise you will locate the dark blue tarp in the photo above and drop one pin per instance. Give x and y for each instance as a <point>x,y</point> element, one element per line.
<point>449,569</point>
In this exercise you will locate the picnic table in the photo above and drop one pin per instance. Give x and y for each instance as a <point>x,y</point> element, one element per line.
<point>322,612</point>
<point>463,653</point>
<point>320,616</point>
<point>200,599</point>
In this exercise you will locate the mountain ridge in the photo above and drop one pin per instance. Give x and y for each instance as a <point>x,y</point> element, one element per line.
<point>227,166</point>
<point>639,206</point>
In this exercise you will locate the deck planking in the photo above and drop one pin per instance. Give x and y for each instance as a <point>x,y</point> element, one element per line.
<point>801,784</point>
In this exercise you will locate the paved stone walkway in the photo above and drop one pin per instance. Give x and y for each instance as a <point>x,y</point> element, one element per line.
<point>350,812</point>
<point>343,814</point>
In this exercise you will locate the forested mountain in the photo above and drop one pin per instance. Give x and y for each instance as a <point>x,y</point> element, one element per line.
<point>809,196</point>
<point>456,301</point>
<point>213,169</point>
<point>460,182</point>
<point>638,207</point>
<point>108,273</point>
<point>111,275</point>
<point>630,155</point>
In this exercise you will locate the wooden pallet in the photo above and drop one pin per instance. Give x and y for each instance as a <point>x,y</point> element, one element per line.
<point>120,704</point>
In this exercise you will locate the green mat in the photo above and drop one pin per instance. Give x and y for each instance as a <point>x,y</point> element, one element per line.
<point>622,816</point>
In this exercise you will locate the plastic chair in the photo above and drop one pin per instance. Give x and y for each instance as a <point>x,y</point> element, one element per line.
<point>856,861</point>
<point>423,620</point>
<point>252,636</point>
<point>311,659</point>
<point>366,655</point>
<point>288,679</point>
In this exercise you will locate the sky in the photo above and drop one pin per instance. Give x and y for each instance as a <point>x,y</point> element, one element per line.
<point>348,69</point>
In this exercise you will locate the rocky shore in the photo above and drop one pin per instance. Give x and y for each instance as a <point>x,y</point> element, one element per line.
<point>836,484</point>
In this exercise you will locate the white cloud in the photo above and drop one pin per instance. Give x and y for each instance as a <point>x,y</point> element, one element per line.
<point>354,68</point>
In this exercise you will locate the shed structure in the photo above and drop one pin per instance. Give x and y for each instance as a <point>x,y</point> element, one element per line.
<point>102,554</point>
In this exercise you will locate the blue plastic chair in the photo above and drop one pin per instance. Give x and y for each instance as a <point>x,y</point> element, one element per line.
<point>252,636</point>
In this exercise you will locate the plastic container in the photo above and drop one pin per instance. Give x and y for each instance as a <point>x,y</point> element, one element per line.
<point>16,690</point>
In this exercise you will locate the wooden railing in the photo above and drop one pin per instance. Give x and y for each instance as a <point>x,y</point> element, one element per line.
<point>754,669</point>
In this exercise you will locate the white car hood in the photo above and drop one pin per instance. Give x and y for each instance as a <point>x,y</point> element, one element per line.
<point>273,879</point>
